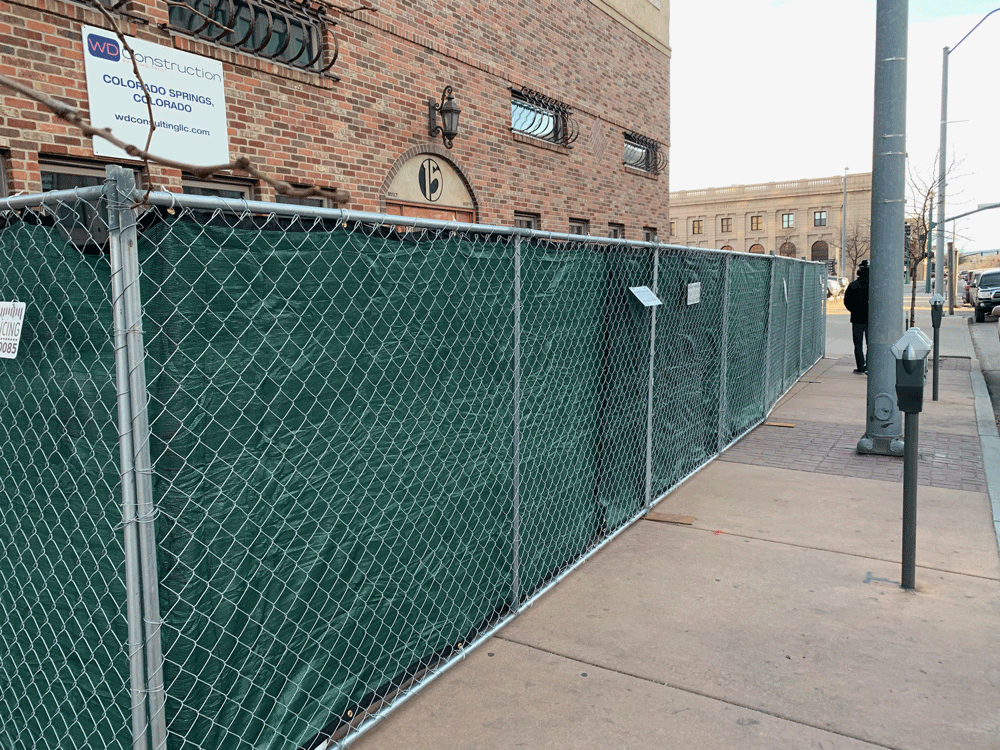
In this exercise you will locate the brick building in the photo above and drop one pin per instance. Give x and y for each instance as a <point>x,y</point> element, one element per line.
<point>564,105</point>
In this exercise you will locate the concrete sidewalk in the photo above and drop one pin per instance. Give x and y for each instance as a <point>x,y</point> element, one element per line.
<point>776,620</point>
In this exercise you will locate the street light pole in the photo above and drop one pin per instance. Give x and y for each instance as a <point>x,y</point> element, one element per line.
<point>939,244</point>
<point>884,423</point>
<point>943,163</point>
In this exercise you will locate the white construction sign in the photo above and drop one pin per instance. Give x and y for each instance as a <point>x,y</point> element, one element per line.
<point>187,94</point>
<point>11,323</point>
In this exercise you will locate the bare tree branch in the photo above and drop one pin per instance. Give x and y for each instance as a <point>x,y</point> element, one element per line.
<point>72,116</point>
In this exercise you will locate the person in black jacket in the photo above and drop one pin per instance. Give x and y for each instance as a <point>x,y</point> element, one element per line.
<point>856,300</point>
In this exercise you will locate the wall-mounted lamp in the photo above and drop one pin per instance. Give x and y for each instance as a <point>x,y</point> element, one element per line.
<point>449,117</point>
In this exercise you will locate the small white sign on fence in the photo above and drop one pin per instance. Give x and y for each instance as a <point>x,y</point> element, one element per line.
<point>11,323</point>
<point>694,293</point>
<point>645,295</point>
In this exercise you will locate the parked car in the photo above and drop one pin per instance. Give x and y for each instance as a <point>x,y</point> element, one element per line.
<point>986,293</point>
<point>835,286</point>
<point>969,283</point>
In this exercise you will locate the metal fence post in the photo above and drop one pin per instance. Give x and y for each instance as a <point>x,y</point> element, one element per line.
<point>767,349</point>
<point>129,244</point>
<point>133,587</point>
<point>823,301</point>
<point>802,320</point>
<point>516,438</point>
<point>723,356</point>
<point>652,367</point>
<point>784,337</point>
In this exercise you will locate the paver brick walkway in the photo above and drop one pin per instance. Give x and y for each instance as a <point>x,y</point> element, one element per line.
<point>826,448</point>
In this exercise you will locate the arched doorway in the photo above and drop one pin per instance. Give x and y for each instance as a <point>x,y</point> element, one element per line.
<point>426,183</point>
<point>757,248</point>
<point>820,251</point>
<point>787,249</point>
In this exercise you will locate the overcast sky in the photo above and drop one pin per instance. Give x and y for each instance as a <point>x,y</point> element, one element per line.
<point>768,90</point>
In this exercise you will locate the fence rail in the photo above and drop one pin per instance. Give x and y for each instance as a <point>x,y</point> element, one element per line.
<point>271,468</point>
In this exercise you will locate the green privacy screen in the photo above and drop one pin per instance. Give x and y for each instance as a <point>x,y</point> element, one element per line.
<point>63,673</point>
<point>369,447</point>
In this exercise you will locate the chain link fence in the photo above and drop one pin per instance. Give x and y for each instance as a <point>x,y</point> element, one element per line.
<point>271,468</point>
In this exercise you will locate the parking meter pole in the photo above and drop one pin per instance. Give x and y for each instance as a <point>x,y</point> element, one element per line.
<point>911,371</point>
<point>911,457</point>
<point>937,349</point>
<point>937,311</point>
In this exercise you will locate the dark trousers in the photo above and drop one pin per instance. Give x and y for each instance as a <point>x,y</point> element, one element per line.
<point>860,333</point>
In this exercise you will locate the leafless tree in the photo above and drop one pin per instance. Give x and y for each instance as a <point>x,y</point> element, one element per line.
<point>858,245</point>
<point>921,192</point>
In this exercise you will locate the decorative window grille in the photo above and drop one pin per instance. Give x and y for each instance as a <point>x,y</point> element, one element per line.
<point>284,31</point>
<point>542,117</point>
<point>644,153</point>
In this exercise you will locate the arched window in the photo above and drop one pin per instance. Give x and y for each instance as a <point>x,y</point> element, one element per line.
<point>757,248</point>
<point>820,251</point>
<point>787,249</point>
<point>727,247</point>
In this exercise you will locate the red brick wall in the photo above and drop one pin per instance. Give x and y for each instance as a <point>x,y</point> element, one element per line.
<point>350,133</point>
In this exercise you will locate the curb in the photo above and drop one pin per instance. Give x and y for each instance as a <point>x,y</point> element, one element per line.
<point>989,439</point>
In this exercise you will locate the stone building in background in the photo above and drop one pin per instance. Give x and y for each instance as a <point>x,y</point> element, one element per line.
<point>796,218</point>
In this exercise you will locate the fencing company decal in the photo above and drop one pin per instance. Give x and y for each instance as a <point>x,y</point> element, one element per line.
<point>187,94</point>
<point>11,322</point>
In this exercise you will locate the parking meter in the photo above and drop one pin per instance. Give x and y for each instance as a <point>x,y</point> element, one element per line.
<point>911,370</point>
<point>911,359</point>
<point>937,310</point>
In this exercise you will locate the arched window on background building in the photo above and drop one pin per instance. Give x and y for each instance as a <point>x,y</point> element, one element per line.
<point>820,250</point>
<point>757,248</point>
<point>787,249</point>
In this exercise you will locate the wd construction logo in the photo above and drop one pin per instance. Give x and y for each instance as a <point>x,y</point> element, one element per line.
<point>104,47</point>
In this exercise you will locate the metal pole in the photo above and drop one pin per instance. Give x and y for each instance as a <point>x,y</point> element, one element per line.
<point>723,352</point>
<point>929,242</point>
<point>649,396</point>
<point>942,170</point>
<point>133,585</point>
<point>937,348</point>
<point>843,230</point>
<point>145,509</point>
<point>952,272</point>
<point>516,439</point>
<point>883,431</point>
<point>802,319</point>
<point>770,329</point>
<point>910,460</point>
